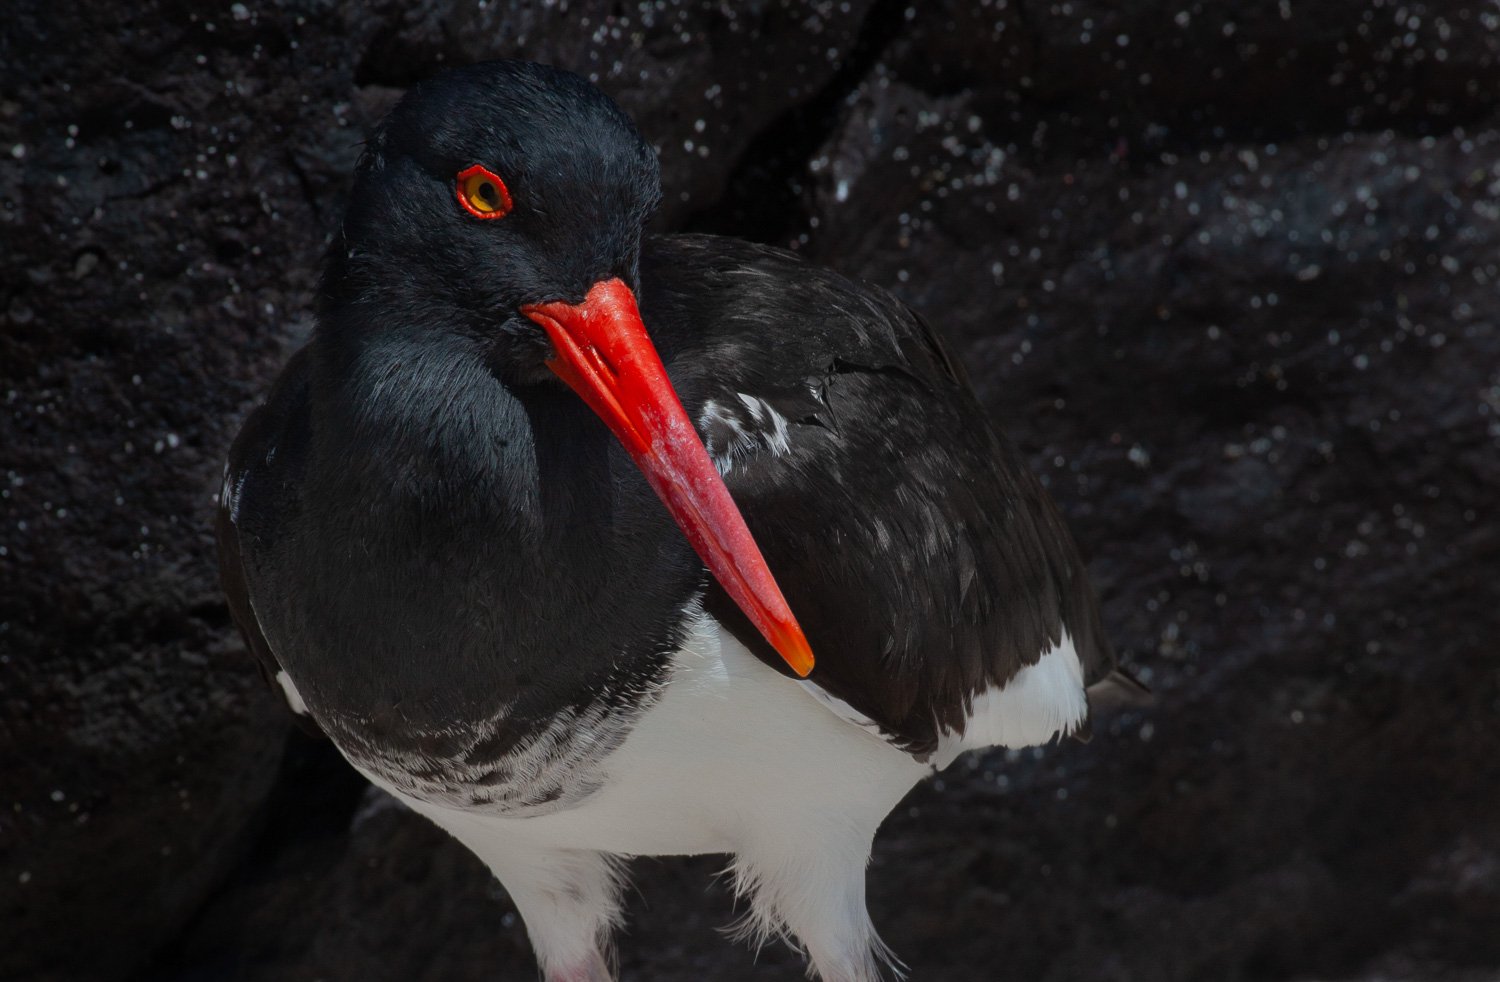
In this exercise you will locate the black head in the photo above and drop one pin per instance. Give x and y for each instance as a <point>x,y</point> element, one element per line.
<point>576,184</point>
<point>492,242</point>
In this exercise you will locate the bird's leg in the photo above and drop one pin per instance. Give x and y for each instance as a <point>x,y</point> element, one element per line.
<point>594,970</point>
<point>569,900</point>
<point>814,892</point>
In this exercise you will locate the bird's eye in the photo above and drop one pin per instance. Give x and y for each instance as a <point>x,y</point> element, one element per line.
<point>482,193</point>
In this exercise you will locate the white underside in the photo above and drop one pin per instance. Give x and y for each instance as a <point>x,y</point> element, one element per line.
<point>736,758</point>
<point>729,749</point>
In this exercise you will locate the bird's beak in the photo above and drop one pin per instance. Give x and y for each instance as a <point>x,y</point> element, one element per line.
<point>605,355</point>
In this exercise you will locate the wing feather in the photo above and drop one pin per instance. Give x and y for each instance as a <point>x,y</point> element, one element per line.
<point>257,482</point>
<point>926,563</point>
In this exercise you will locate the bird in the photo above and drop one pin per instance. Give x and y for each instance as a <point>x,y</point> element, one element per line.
<point>587,542</point>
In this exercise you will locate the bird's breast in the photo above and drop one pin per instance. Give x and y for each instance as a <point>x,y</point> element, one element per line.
<point>727,752</point>
<point>501,765</point>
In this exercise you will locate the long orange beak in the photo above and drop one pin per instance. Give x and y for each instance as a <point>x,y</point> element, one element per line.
<point>605,355</point>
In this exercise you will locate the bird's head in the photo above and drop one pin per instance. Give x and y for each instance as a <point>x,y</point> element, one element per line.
<point>489,188</point>
<point>501,206</point>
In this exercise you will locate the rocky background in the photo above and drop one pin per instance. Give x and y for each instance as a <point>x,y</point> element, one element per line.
<point>1227,270</point>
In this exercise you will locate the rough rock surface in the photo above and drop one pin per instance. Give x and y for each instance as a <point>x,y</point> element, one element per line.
<point>1226,271</point>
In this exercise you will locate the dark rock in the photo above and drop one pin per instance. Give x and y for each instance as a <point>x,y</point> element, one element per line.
<point>1226,272</point>
<point>1100,76</point>
<point>700,80</point>
<point>137,743</point>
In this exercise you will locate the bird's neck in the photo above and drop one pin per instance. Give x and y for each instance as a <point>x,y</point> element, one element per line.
<point>425,417</point>
<point>484,545</point>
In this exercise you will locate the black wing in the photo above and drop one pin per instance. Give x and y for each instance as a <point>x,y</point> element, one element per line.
<point>922,558</point>
<point>260,482</point>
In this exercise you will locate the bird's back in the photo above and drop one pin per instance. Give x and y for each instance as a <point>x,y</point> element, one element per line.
<point>923,558</point>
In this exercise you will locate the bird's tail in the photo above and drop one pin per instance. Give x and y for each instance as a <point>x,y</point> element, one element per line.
<point>1120,690</point>
<point>1117,691</point>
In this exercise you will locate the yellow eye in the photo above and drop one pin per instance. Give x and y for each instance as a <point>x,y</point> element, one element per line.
<point>482,193</point>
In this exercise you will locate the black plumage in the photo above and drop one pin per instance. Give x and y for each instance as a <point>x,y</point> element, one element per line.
<point>454,565</point>
<point>924,560</point>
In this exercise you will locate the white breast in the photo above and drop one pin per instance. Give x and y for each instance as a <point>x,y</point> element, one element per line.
<point>733,757</point>
<point>731,744</point>
<point>729,749</point>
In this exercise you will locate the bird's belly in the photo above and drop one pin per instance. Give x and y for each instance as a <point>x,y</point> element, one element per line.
<point>730,749</point>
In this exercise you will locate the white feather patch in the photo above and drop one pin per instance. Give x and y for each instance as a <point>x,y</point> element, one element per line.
<point>773,425</point>
<point>293,697</point>
<point>1039,702</point>
<point>754,427</point>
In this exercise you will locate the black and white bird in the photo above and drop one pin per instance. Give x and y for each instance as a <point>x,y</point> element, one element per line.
<point>588,544</point>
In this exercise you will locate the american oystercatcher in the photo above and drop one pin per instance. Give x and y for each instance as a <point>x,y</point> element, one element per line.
<point>539,561</point>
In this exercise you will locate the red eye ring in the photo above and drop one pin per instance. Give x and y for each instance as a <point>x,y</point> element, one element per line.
<point>482,193</point>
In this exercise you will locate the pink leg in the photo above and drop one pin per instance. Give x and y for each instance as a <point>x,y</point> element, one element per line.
<point>593,969</point>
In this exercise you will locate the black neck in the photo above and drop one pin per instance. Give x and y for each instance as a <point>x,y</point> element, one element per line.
<point>478,544</point>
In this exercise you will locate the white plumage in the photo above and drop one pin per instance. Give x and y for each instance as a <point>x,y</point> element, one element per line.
<point>733,757</point>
